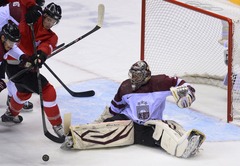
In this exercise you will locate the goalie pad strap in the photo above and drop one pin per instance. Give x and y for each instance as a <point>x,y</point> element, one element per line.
<point>102,135</point>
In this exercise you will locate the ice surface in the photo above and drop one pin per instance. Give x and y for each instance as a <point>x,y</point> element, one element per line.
<point>100,62</point>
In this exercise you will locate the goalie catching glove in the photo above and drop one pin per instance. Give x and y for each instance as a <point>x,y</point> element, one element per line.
<point>183,95</point>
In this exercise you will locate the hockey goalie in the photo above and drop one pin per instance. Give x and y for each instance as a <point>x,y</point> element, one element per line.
<point>135,117</point>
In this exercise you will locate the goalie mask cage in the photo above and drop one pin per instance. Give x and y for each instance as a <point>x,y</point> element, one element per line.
<point>187,39</point>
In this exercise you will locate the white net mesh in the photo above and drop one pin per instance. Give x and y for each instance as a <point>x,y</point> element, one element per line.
<point>186,43</point>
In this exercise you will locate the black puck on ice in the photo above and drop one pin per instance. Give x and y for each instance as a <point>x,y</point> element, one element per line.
<point>45,157</point>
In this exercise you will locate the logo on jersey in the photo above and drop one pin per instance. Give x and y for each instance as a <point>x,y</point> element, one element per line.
<point>143,110</point>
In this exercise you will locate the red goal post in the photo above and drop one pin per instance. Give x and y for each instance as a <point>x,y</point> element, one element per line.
<point>188,38</point>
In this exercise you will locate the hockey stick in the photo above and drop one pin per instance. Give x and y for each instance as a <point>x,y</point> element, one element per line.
<point>101,10</point>
<point>45,130</point>
<point>74,94</point>
<point>59,46</point>
<point>29,68</point>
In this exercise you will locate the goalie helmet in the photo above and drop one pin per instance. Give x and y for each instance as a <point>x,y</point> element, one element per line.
<point>11,32</point>
<point>54,11</point>
<point>139,74</point>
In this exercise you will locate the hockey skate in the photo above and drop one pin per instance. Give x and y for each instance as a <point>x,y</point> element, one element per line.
<point>59,130</point>
<point>27,106</point>
<point>9,120</point>
<point>195,140</point>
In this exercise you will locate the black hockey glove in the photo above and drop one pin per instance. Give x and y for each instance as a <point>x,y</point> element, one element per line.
<point>2,85</point>
<point>25,61</point>
<point>33,13</point>
<point>34,60</point>
<point>39,59</point>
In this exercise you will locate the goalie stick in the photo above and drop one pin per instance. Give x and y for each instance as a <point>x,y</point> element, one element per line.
<point>67,122</point>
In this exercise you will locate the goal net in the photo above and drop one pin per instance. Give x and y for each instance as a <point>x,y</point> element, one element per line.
<point>192,39</point>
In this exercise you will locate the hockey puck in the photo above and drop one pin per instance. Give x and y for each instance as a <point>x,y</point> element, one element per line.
<point>45,157</point>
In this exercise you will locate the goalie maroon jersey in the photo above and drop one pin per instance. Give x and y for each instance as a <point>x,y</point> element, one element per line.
<point>147,102</point>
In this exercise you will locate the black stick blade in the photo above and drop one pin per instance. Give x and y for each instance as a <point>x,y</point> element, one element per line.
<point>54,138</point>
<point>89,93</point>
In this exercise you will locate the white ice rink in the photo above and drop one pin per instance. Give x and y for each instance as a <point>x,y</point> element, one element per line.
<point>100,62</point>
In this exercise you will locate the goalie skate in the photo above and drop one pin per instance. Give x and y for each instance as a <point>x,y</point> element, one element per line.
<point>195,140</point>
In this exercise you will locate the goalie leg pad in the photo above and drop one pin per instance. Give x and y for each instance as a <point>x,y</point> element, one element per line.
<point>103,135</point>
<point>177,141</point>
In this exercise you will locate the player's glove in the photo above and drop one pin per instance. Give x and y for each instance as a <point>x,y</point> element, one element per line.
<point>183,95</point>
<point>25,61</point>
<point>34,60</point>
<point>39,58</point>
<point>2,85</point>
<point>33,13</point>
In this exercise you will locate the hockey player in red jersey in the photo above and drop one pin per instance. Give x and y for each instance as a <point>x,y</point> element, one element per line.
<point>6,14</point>
<point>9,35</point>
<point>24,57</point>
<point>11,12</point>
<point>141,100</point>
